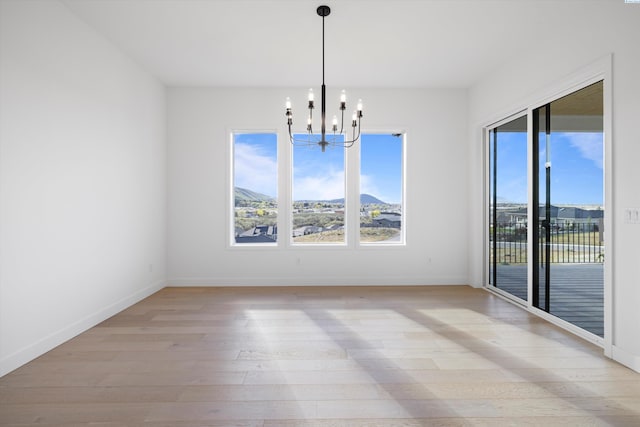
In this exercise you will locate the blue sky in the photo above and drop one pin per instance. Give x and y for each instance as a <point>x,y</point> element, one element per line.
<point>381,167</point>
<point>318,175</point>
<point>576,168</point>
<point>256,163</point>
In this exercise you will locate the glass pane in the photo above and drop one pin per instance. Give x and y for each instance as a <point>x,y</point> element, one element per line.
<point>508,197</point>
<point>255,184</point>
<point>318,194</point>
<point>381,184</point>
<point>570,147</point>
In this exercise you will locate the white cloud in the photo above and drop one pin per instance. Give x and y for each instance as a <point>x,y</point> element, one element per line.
<point>368,186</point>
<point>590,146</point>
<point>254,170</point>
<point>319,187</point>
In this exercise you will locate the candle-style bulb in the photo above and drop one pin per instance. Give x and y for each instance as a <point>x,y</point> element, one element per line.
<point>359,105</point>
<point>288,103</point>
<point>343,101</point>
<point>311,99</point>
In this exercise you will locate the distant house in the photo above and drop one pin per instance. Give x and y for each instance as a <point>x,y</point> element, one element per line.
<point>561,216</point>
<point>388,220</point>
<point>305,230</point>
<point>258,234</point>
<point>512,216</point>
<point>334,227</point>
<point>579,215</point>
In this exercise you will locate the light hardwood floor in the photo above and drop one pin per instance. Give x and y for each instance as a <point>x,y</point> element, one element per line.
<point>329,357</point>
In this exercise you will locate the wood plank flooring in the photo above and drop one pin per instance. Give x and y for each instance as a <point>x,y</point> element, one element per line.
<point>322,357</point>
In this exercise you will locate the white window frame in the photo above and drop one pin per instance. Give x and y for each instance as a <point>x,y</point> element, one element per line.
<point>285,165</point>
<point>403,228</point>
<point>230,199</point>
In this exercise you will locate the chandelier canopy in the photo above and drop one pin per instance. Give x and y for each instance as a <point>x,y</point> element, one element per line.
<point>335,137</point>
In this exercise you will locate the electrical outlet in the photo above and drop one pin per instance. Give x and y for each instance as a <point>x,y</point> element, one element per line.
<point>632,216</point>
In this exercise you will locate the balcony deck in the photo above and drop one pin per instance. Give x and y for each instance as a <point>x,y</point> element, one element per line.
<point>577,291</point>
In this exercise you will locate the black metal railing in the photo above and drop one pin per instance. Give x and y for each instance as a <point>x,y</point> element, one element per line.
<point>568,243</point>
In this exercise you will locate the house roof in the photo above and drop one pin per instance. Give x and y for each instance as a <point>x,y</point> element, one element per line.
<point>388,217</point>
<point>260,238</point>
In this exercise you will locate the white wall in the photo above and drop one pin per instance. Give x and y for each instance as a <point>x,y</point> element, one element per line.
<point>83,210</point>
<point>82,180</point>
<point>601,28</point>
<point>436,208</point>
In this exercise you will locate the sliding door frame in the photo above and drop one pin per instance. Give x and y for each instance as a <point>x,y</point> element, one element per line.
<point>600,70</point>
<point>490,282</point>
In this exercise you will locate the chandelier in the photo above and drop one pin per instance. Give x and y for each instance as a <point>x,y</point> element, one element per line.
<point>335,137</point>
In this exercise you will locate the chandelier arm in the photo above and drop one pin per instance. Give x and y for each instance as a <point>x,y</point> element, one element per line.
<point>291,138</point>
<point>342,121</point>
<point>309,140</point>
<point>354,138</point>
<point>333,140</point>
<point>357,137</point>
<point>349,144</point>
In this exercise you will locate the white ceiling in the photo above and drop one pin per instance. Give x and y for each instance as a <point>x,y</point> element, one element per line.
<point>372,43</point>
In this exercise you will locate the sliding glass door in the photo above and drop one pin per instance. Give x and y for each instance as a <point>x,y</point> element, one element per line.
<point>568,191</point>
<point>508,207</point>
<point>563,264</point>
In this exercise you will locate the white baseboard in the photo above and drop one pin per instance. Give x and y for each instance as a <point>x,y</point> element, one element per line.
<point>312,281</point>
<point>629,360</point>
<point>38,348</point>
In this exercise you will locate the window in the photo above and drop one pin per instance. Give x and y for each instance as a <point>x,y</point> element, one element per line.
<point>255,184</point>
<point>381,188</point>
<point>321,212</point>
<point>318,199</point>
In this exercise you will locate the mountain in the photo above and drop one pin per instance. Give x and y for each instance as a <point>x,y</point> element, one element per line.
<point>243,194</point>
<point>368,199</point>
<point>365,199</point>
<point>251,196</point>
